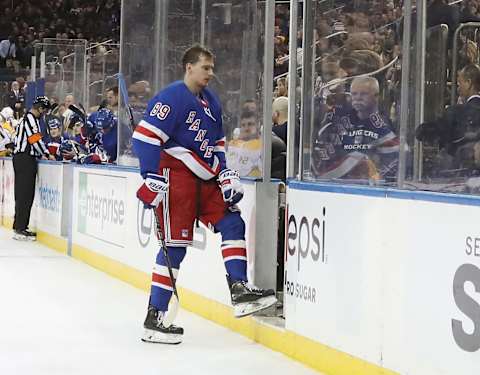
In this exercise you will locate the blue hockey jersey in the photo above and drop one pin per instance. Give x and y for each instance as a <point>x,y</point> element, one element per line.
<point>185,126</point>
<point>350,147</point>
<point>109,143</point>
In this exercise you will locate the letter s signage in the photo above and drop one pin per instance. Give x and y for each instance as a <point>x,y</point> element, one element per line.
<point>469,342</point>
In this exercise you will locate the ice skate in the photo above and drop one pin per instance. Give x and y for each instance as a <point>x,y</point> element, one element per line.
<point>24,235</point>
<point>155,331</point>
<point>247,299</point>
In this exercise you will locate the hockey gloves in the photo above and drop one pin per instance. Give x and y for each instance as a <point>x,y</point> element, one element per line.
<point>231,187</point>
<point>153,190</point>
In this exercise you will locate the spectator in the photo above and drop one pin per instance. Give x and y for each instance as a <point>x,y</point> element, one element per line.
<point>282,87</point>
<point>7,52</point>
<point>112,100</point>
<point>357,142</point>
<point>440,12</point>
<point>279,137</point>
<point>250,106</point>
<point>67,102</point>
<point>458,130</point>
<point>280,117</point>
<point>469,12</point>
<point>279,158</point>
<point>16,99</point>
<point>245,153</point>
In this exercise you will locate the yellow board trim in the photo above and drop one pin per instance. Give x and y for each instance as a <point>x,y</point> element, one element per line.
<point>311,353</point>
<point>137,278</point>
<point>7,222</point>
<point>56,243</point>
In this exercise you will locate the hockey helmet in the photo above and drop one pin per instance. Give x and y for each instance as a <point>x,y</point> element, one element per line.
<point>75,119</point>
<point>7,113</point>
<point>103,119</point>
<point>42,102</point>
<point>54,122</point>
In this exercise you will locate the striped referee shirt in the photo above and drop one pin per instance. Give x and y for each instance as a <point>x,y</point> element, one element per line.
<point>28,137</point>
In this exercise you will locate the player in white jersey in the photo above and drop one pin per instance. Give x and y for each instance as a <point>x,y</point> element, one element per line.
<point>244,154</point>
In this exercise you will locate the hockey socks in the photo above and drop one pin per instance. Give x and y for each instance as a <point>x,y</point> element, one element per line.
<point>161,288</point>
<point>234,252</point>
<point>234,255</point>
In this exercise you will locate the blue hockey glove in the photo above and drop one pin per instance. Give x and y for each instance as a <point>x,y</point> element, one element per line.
<point>230,185</point>
<point>153,190</point>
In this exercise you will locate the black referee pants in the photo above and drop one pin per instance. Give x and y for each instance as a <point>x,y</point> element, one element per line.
<point>25,168</point>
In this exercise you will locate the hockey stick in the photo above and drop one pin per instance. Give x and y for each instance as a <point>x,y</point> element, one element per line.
<point>124,92</point>
<point>174,301</point>
<point>79,112</point>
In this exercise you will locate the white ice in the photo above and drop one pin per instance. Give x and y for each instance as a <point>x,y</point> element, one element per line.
<point>60,316</point>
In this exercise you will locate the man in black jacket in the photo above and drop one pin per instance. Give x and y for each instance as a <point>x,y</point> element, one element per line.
<point>16,99</point>
<point>458,130</point>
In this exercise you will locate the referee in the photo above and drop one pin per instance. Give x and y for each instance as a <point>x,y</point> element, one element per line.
<point>29,146</point>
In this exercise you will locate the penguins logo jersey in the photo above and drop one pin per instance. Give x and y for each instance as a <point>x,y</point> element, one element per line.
<point>245,157</point>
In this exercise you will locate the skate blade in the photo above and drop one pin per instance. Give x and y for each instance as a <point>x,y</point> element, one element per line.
<point>160,338</point>
<point>248,308</point>
<point>20,237</point>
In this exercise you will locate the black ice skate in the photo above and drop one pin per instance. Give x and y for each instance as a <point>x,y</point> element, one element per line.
<point>247,299</point>
<point>156,332</point>
<point>24,235</point>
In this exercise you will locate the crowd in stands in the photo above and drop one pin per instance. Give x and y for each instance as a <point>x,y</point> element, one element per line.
<point>353,38</point>
<point>85,138</point>
<point>27,22</point>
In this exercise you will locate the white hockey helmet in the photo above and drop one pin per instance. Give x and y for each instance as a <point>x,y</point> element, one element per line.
<point>7,113</point>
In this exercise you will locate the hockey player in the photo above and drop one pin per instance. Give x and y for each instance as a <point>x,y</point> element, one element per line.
<point>54,138</point>
<point>357,142</point>
<point>7,131</point>
<point>6,142</point>
<point>74,128</point>
<point>105,124</point>
<point>181,148</point>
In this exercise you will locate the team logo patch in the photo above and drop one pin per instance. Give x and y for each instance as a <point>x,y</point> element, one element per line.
<point>209,113</point>
<point>185,233</point>
<point>377,120</point>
